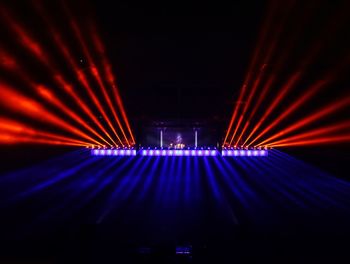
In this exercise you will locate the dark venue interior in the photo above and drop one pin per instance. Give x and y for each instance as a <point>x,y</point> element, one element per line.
<point>174,132</point>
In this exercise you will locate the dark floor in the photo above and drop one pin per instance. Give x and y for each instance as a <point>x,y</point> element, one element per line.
<point>78,208</point>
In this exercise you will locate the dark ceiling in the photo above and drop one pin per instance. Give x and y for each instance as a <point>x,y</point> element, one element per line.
<point>176,60</point>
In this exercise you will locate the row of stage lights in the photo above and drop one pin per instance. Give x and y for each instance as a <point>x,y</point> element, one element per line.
<point>179,152</point>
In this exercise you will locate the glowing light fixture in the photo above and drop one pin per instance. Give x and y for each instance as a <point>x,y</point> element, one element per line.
<point>244,152</point>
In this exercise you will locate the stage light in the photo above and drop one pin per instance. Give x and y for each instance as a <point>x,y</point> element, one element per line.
<point>114,152</point>
<point>242,152</point>
<point>178,152</point>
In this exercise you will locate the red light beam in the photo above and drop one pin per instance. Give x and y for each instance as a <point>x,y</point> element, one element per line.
<point>110,77</point>
<point>28,107</point>
<point>325,111</point>
<point>293,107</point>
<point>322,131</point>
<point>94,71</point>
<point>316,141</point>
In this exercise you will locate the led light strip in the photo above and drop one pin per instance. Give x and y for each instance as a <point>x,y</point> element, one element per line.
<point>113,152</point>
<point>244,152</point>
<point>178,152</point>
